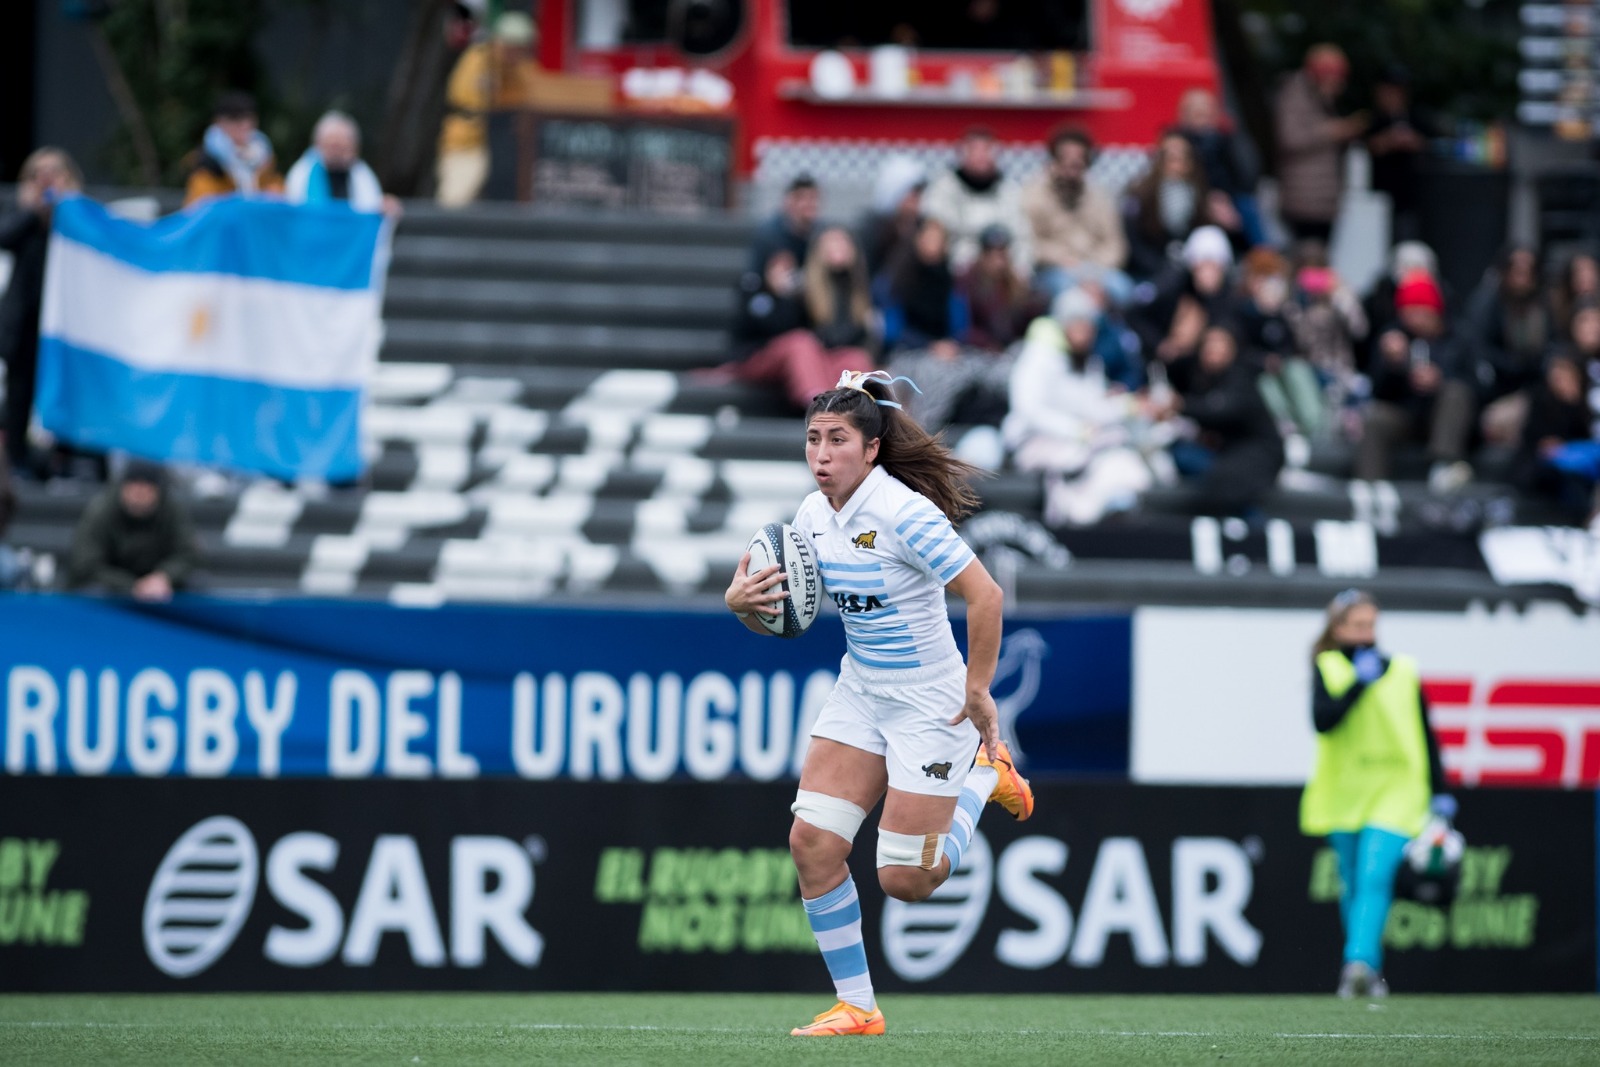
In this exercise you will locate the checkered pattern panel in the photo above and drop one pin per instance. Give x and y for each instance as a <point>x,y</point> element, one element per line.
<point>847,170</point>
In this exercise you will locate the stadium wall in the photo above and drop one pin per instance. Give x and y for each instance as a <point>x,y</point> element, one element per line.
<point>552,798</point>
<point>120,884</point>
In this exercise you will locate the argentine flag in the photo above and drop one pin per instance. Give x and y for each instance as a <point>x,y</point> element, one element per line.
<point>238,333</point>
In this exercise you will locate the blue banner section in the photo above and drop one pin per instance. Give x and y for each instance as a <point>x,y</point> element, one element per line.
<point>301,688</point>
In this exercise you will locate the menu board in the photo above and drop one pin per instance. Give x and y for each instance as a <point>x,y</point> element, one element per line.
<point>664,165</point>
<point>1560,76</point>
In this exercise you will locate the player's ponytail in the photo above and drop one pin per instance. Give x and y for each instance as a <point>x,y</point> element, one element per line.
<point>905,449</point>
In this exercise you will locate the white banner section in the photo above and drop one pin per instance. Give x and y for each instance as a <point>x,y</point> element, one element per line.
<point>1223,696</point>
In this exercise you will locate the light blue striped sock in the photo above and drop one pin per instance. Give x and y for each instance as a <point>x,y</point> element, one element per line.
<point>836,920</point>
<point>974,795</point>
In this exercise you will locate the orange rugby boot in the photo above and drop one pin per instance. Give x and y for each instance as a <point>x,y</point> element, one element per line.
<point>842,1020</point>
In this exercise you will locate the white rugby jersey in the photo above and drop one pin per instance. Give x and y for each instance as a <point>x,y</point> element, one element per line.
<point>885,558</point>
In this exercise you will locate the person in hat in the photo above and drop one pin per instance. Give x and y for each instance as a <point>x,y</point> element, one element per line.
<point>1422,388</point>
<point>135,539</point>
<point>1311,140</point>
<point>1070,422</point>
<point>890,225</point>
<point>1376,779</point>
<point>490,73</point>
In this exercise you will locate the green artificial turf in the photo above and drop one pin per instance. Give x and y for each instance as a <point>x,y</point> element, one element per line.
<point>707,1031</point>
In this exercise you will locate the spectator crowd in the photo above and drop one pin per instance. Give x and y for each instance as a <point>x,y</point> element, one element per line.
<point>1173,332</point>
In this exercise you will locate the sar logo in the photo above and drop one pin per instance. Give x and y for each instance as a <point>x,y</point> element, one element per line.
<point>865,540</point>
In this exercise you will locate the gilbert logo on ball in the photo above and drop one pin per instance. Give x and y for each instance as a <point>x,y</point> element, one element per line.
<point>779,544</point>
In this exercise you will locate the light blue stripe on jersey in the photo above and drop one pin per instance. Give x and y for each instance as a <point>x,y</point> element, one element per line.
<point>857,567</point>
<point>930,535</point>
<point>852,585</point>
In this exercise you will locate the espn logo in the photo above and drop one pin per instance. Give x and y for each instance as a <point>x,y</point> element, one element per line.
<point>1518,731</point>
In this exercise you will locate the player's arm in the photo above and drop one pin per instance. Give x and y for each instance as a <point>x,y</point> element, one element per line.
<point>750,594</point>
<point>985,612</point>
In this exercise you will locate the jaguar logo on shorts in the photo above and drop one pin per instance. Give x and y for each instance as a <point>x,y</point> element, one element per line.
<point>865,540</point>
<point>937,770</point>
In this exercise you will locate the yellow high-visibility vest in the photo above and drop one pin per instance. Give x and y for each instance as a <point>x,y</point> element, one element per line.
<point>1371,769</point>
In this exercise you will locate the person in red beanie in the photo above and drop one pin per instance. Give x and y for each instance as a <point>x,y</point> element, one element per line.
<point>1422,389</point>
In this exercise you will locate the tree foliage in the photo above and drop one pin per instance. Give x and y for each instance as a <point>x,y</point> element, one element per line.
<point>1462,56</point>
<point>177,56</point>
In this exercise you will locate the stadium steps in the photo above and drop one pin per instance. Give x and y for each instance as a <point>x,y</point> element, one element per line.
<point>540,429</point>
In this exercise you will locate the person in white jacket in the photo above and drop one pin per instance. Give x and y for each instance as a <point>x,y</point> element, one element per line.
<point>1068,422</point>
<point>975,195</point>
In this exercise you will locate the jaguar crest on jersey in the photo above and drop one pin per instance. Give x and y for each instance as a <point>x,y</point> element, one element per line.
<point>865,540</point>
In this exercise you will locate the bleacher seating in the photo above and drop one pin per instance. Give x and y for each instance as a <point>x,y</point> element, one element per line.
<point>537,430</point>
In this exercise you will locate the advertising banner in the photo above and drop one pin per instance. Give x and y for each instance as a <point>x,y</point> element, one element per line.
<point>206,688</point>
<point>181,885</point>
<point>1224,696</point>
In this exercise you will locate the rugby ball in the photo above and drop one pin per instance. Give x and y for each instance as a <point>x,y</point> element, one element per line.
<point>779,544</point>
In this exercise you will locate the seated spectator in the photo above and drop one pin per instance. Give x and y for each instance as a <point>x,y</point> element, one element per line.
<point>1115,342</point>
<point>975,194</point>
<point>1509,324</point>
<point>930,319</point>
<point>235,156</point>
<point>838,298</point>
<point>134,539</point>
<point>332,169</point>
<point>1188,300</point>
<point>1328,323</point>
<point>1422,388</point>
<point>1287,382</point>
<point>999,304</point>
<point>1067,421</point>
<point>1074,223</point>
<point>1579,284</point>
<point>1222,161</point>
<point>792,228</point>
<point>488,73</point>
<point>1241,451</point>
<point>921,308</point>
<point>1168,204</point>
<point>1559,446</point>
<point>772,341</point>
<point>1407,258</point>
<point>890,225</point>
<point>47,175</point>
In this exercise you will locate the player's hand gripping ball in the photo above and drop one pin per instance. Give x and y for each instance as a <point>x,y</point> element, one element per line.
<point>778,543</point>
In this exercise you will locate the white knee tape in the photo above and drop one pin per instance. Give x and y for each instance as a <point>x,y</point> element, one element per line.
<point>910,850</point>
<point>828,813</point>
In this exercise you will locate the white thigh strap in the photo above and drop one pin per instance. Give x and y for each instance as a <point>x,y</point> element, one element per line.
<point>828,813</point>
<point>909,850</point>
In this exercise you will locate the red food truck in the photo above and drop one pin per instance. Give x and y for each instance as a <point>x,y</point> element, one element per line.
<point>831,87</point>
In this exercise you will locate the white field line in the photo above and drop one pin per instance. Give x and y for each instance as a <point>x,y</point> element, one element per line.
<point>66,1024</point>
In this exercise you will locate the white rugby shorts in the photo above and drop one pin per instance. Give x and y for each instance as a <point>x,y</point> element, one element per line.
<point>904,716</point>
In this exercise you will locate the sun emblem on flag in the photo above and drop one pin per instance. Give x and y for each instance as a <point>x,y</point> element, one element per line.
<point>199,324</point>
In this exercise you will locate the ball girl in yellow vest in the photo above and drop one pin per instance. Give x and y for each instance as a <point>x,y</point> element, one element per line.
<point>1377,776</point>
